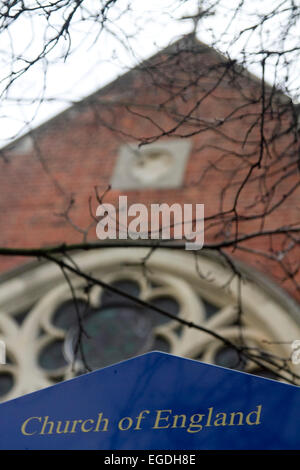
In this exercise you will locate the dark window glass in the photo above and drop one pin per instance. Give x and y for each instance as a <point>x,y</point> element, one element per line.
<point>130,287</point>
<point>6,383</point>
<point>117,330</point>
<point>52,357</point>
<point>268,374</point>
<point>65,316</point>
<point>230,358</point>
<point>113,334</point>
<point>210,309</point>
<point>168,304</point>
<point>160,344</point>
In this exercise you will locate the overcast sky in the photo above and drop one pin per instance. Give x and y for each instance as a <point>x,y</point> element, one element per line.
<point>95,61</point>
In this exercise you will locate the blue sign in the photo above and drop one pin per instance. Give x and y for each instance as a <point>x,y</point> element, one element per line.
<point>156,401</point>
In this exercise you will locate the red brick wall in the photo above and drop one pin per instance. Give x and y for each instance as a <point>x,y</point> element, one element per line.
<point>77,151</point>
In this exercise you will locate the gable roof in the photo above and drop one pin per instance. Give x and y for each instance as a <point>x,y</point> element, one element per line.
<point>187,43</point>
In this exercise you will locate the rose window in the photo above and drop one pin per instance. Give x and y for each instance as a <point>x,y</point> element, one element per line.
<point>51,336</point>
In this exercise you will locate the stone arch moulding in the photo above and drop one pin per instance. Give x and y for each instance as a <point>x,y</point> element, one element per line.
<point>199,289</point>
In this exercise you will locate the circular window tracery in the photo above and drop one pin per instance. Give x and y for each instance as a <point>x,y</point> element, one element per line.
<point>43,346</point>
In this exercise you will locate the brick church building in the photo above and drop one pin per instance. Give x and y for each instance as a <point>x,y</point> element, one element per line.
<point>184,127</point>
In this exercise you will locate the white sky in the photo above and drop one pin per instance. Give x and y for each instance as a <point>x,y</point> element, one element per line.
<point>96,62</point>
